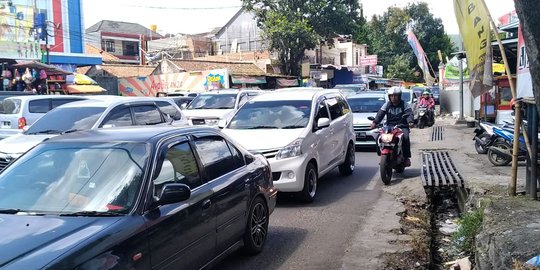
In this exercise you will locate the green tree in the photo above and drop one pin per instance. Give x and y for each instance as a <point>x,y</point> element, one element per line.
<point>290,27</point>
<point>387,37</point>
<point>400,68</point>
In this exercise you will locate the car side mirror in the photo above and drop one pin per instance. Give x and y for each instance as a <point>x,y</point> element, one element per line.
<point>183,106</point>
<point>323,122</point>
<point>222,123</point>
<point>173,193</point>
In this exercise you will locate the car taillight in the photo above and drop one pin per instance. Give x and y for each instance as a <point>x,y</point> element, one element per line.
<point>22,122</point>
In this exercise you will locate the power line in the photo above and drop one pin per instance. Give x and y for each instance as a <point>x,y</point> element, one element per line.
<point>183,8</point>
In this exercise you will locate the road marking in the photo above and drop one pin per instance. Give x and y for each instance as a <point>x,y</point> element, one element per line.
<point>372,183</point>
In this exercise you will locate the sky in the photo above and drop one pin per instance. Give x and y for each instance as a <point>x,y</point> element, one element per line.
<point>190,17</point>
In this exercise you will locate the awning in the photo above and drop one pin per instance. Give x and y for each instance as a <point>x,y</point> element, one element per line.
<point>287,82</point>
<point>80,79</point>
<point>85,89</point>
<point>248,79</point>
<point>50,70</point>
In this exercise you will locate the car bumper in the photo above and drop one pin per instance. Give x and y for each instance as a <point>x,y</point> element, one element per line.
<point>365,136</point>
<point>288,174</point>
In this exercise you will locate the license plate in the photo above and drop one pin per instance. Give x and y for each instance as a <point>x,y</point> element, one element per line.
<point>360,135</point>
<point>6,124</point>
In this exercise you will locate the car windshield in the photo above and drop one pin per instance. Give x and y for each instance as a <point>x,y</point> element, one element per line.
<point>213,101</point>
<point>272,115</point>
<point>63,119</point>
<point>67,178</point>
<point>11,106</point>
<point>365,104</point>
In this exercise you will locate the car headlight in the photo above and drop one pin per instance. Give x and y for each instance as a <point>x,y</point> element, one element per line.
<point>292,150</point>
<point>211,122</point>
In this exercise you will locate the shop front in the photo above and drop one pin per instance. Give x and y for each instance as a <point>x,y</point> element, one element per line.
<point>495,105</point>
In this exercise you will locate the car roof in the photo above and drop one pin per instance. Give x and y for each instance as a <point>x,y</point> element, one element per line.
<point>106,102</point>
<point>128,134</point>
<point>228,91</point>
<point>295,94</point>
<point>36,97</point>
<point>367,95</point>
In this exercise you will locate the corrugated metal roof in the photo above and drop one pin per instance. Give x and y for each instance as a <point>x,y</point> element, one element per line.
<point>121,28</point>
<point>106,57</point>
<point>235,68</point>
<point>122,71</point>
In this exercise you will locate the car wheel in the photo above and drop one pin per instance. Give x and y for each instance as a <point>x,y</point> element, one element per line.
<point>257,227</point>
<point>310,184</point>
<point>347,168</point>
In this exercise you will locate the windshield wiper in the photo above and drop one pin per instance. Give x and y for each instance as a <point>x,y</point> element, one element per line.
<point>47,131</point>
<point>261,127</point>
<point>222,108</point>
<point>292,127</point>
<point>9,211</point>
<point>71,131</point>
<point>92,213</point>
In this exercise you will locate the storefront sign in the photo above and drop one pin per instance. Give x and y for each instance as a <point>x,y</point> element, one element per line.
<point>368,60</point>
<point>524,80</point>
<point>248,79</point>
<point>185,81</point>
<point>17,35</point>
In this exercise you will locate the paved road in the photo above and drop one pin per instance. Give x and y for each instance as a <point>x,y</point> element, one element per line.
<point>317,235</point>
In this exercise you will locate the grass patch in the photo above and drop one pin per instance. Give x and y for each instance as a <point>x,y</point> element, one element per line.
<point>470,224</point>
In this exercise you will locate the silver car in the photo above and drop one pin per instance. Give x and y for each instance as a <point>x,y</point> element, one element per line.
<point>104,112</point>
<point>364,105</point>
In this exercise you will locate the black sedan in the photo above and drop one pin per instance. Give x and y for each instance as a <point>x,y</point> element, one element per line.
<point>133,198</point>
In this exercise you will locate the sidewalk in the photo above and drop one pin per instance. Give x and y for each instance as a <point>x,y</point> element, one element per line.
<point>511,227</point>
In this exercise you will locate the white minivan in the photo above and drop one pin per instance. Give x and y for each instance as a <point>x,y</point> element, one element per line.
<point>19,111</point>
<point>304,134</point>
<point>209,108</point>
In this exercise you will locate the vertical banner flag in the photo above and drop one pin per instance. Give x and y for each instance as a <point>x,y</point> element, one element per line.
<point>420,56</point>
<point>473,22</point>
<point>524,80</point>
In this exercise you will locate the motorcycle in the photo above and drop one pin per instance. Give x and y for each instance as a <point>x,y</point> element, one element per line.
<point>483,137</point>
<point>425,117</point>
<point>390,150</point>
<point>500,151</point>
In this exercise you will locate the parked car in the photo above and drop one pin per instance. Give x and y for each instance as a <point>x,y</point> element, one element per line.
<point>364,105</point>
<point>409,96</point>
<point>19,111</point>
<point>210,107</point>
<point>133,198</point>
<point>304,134</point>
<point>92,114</point>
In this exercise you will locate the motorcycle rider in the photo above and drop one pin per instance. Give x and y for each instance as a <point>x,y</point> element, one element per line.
<point>429,102</point>
<point>394,110</point>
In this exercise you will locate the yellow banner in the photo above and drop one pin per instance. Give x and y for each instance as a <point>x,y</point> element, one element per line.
<point>472,18</point>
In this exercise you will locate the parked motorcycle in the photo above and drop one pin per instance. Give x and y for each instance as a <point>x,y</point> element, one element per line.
<point>425,117</point>
<point>483,137</point>
<point>390,150</point>
<point>500,151</point>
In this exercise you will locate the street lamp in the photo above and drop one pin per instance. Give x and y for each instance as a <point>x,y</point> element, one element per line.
<point>460,55</point>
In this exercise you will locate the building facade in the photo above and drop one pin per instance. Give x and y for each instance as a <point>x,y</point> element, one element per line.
<point>48,30</point>
<point>239,34</point>
<point>121,39</point>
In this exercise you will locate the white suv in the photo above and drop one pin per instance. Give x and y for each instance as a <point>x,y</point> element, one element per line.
<point>304,134</point>
<point>208,108</point>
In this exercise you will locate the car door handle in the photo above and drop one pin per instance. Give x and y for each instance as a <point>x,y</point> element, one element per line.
<point>206,204</point>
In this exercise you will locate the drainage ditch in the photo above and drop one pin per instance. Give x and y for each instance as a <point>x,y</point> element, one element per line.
<point>437,133</point>
<point>446,195</point>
